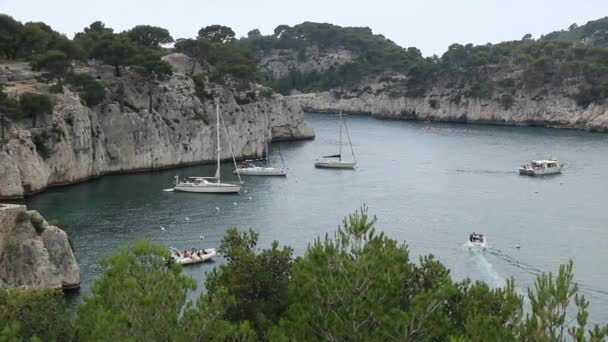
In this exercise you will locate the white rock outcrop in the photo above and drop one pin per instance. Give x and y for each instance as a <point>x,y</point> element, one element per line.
<point>34,254</point>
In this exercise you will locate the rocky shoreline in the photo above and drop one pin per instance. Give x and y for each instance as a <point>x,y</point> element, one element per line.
<point>553,110</point>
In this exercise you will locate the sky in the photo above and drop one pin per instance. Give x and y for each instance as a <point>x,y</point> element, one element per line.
<point>430,25</point>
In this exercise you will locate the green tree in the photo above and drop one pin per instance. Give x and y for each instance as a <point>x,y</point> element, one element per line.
<point>53,61</point>
<point>90,90</point>
<point>139,297</point>
<point>34,39</point>
<point>93,39</point>
<point>27,314</point>
<point>149,36</point>
<point>152,68</point>
<point>217,34</point>
<point>257,281</point>
<point>255,33</point>
<point>10,32</point>
<point>117,52</point>
<point>33,105</point>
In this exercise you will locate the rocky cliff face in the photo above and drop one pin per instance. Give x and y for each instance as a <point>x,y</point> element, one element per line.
<point>549,105</point>
<point>278,63</point>
<point>33,253</point>
<point>122,134</point>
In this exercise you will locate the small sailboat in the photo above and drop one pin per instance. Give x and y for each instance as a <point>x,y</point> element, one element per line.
<point>193,256</point>
<point>211,184</point>
<point>335,161</point>
<point>261,167</point>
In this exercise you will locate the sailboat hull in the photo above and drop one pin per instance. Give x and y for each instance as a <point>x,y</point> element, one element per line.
<point>261,171</point>
<point>335,164</point>
<point>211,188</point>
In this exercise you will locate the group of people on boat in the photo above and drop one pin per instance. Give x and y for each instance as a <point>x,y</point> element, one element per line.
<point>476,237</point>
<point>192,253</point>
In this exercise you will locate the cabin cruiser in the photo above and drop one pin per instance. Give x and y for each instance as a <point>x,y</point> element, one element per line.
<point>540,167</point>
<point>477,241</point>
<point>193,256</point>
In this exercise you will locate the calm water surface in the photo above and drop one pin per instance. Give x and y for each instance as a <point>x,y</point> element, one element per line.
<point>429,185</point>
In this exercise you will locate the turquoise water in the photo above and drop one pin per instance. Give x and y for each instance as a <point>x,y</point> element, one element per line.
<point>429,185</point>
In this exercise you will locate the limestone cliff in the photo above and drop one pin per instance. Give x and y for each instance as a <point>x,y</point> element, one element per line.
<point>550,105</point>
<point>33,253</point>
<point>132,130</point>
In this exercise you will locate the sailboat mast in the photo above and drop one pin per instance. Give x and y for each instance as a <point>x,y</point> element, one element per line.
<point>340,139</point>
<point>219,149</point>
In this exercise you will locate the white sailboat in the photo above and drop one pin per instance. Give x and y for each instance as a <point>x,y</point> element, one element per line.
<point>262,167</point>
<point>211,184</point>
<point>335,161</point>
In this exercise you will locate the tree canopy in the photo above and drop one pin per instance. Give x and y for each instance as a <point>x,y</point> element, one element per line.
<point>355,285</point>
<point>149,36</point>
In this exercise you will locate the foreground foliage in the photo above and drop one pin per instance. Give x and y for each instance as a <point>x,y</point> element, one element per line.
<point>356,285</point>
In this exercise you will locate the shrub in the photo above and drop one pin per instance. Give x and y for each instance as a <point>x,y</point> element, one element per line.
<point>506,100</point>
<point>591,94</point>
<point>21,217</point>
<point>199,87</point>
<point>40,141</point>
<point>33,105</point>
<point>90,90</point>
<point>11,247</point>
<point>38,223</point>
<point>481,90</point>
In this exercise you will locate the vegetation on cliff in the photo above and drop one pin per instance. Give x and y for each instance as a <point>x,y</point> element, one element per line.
<point>356,285</point>
<point>546,62</point>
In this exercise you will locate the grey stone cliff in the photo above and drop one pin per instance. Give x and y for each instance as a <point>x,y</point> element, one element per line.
<point>34,254</point>
<point>122,134</point>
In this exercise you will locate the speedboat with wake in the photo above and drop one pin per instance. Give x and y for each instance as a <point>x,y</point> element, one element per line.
<point>477,241</point>
<point>193,256</point>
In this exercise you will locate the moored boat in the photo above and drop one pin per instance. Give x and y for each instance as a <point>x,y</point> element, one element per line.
<point>540,168</point>
<point>253,168</point>
<point>193,256</point>
<point>335,161</point>
<point>211,184</point>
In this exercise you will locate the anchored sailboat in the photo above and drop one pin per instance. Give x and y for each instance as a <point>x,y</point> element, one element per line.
<point>335,161</point>
<point>211,184</point>
<point>262,167</point>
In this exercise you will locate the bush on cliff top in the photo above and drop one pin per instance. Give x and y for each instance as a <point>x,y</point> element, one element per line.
<point>90,90</point>
<point>354,285</point>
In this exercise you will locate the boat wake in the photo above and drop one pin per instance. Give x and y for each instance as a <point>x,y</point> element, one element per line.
<point>487,270</point>
<point>481,171</point>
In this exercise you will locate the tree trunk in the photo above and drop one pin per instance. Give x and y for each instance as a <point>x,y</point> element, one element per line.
<point>150,96</point>
<point>116,70</point>
<point>1,127</point>
<point>34,117</point>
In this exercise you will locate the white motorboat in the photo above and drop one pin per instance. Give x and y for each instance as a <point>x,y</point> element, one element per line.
<point>255,168</point>
<point>540,168</point>
<point>193,256</point>
<point>211,184</point>
<point>477,241</point>
<point>335,161</point>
